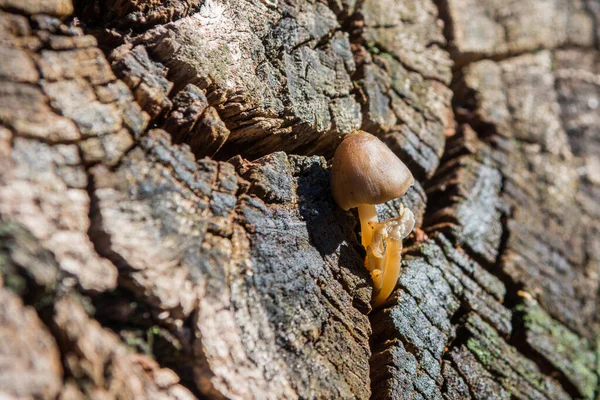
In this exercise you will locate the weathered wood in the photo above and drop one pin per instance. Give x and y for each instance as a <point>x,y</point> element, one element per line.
<point>217,263</point>
<point>490,28</point>
<point>132,266</point>
<point>403,74</point>
<point>31,364</point>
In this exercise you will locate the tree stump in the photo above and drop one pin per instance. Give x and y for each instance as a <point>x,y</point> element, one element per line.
<point>167,229</point>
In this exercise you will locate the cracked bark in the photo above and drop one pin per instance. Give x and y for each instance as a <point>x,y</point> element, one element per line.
<point>166,225</point>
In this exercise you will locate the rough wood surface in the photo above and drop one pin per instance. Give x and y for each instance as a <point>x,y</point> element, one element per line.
<point>166,224</point>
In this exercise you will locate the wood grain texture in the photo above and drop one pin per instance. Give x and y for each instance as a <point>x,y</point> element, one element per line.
<point>166,223</point>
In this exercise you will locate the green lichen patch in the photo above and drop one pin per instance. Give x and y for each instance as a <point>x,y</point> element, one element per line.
<point>514,371</point>
<point>568,352</point>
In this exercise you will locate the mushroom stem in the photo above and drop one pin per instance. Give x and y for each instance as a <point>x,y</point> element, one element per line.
<point>376,253</point>
<point>391,270</point>
<point>377,277</point>
<point>374,264</point>
<point>396,229</point>
<point>366,214</point>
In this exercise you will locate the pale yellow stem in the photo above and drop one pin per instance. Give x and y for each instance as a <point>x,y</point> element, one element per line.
<point>374,264</point>
<point>391,270</point>
<point>366,214</point>
<point>377,277</point>
<point>376,253</point>
<point>393,231</point>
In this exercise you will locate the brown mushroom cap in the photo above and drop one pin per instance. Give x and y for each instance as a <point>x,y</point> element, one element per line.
<point>366,171</point>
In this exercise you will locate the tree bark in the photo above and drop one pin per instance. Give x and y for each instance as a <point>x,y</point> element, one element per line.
<point>166,223</point>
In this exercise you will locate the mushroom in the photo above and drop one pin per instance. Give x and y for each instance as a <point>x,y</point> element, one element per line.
<point>366,172</point>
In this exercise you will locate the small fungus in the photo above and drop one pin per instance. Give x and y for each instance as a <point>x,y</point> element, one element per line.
<point>366,172</point>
